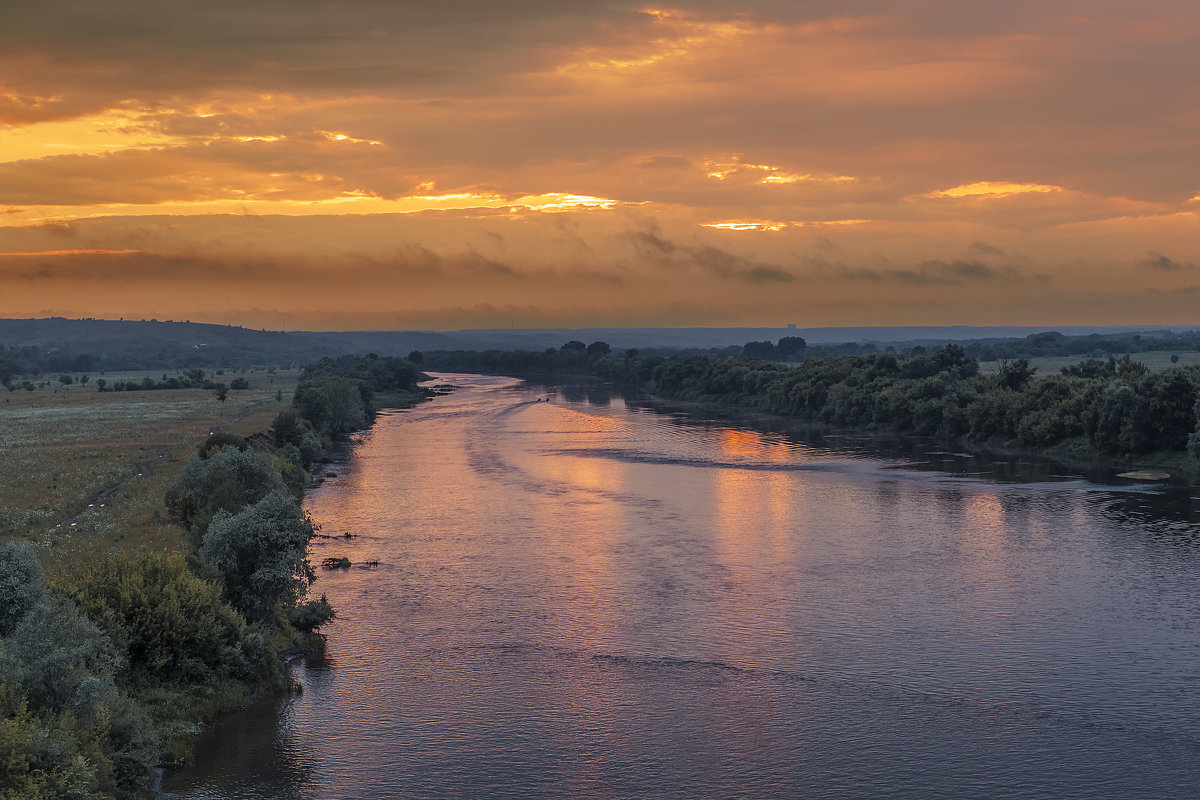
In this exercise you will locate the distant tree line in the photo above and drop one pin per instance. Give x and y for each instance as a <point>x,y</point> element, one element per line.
<point>572,358</point>
<point>1116,407</point>
<point>1036,345</point>
<point>35,362</point>
<point>62,345</point>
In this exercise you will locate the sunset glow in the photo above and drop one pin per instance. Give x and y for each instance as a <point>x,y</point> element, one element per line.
<point>693,164</point>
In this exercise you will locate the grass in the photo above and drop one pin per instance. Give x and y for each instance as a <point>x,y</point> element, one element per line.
<point>85,471</point>
<point>1052,365</point>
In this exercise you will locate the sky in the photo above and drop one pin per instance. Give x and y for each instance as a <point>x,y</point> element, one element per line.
<point>387,164</point>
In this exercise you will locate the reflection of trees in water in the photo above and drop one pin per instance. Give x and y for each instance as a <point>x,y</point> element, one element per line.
<point>1169,515</point>
<point>1166,511</point>
<point>256,752</point>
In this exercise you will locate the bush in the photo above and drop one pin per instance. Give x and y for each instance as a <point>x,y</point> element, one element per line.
<point>63,661</point>
<point>20,584</point>
<point>174,626</point>
<point>310,616</point>
<point>261,555</point>
<point>220,439</point>
<point>228,480</point>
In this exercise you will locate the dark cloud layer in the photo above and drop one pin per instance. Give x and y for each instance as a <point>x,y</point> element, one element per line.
<point>842,160</point>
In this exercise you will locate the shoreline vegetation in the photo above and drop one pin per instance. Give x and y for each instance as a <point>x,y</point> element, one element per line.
<point>1108,409</point>
<point>172,590</point>
<point>111,661</point>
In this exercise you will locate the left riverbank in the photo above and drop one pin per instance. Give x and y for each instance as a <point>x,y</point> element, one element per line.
<point>129,621</point>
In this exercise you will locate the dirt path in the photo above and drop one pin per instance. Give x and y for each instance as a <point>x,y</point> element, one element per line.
<point>163,452</point>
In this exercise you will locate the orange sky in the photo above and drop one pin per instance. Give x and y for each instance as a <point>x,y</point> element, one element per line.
<point>304,164</point>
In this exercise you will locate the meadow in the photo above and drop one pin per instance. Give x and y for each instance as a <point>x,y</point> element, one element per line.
<point>86,471</point>
<point>1052,365</point>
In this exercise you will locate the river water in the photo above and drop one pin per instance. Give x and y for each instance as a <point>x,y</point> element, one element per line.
<point>596,598</point>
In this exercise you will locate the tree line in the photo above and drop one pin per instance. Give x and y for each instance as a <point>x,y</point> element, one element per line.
<point>1115,407</point>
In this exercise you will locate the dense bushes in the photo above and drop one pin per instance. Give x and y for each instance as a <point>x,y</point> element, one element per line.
<point>338,396</point>
<point>104,676</point>
<point>106,671</point>
<point>173,625</point>
<point>227,480</point>
<point>944,395</point>
<point>261,555</point>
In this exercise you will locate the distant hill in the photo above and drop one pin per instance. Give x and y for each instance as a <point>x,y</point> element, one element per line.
<point>156,344</point>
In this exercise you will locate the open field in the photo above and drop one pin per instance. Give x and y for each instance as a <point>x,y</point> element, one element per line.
<point>1155,359</point>
<point>86,471</point>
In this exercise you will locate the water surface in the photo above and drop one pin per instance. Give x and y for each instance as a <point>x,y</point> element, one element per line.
<point>591,598</point>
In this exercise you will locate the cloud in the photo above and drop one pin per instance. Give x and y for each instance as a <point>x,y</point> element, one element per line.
<point>937,273</point>
<point>1161,262</point>
<point>985,249</point>
<point>41,273</point>
<point>652,248</point>
<point>529,144</point>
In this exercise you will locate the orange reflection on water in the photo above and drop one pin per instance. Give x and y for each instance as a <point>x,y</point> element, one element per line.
<point>986,551</point>
<point>752,512</point>
<point>749,445</point>
<point>985,520</point>
<point>753,506</point>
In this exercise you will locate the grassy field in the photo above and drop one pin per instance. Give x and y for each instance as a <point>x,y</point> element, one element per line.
<point>1157,360</point>
<point>85,471</point>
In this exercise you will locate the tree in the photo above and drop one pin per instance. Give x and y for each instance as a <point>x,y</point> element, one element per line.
<point>333,404</point>
<point>1016,374</point>
<point>598,349</point>
<point>954,358</point>
<point>310,616</point>
<point>575,344</point>
<point>20,584</point>
<point>261,555</point>
<point>222,392</point>
<point>64,662</point>
<point>221,439</point>
<point>416,357</point>
<point>228,480</point>
<point>239,383</point>
<point>791,346</point>
<point>1171,400</point>
<point>763,350</point>
<point>287,428</point>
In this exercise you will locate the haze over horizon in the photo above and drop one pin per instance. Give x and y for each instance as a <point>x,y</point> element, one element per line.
<point>465,165</point>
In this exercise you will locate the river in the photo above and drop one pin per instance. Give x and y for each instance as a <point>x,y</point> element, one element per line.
<point>599,598</point>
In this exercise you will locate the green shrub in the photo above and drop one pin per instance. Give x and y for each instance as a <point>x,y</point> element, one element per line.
<point>174,626</point>
<point>261,554</point>
<point>20,584</point>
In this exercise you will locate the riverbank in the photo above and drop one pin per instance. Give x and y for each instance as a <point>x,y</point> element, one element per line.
<point>1077,454</point>
<point>1116,410</point>
<point>128,625</point>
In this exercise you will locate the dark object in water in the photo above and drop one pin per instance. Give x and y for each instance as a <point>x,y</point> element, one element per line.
<point>336,563</point>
